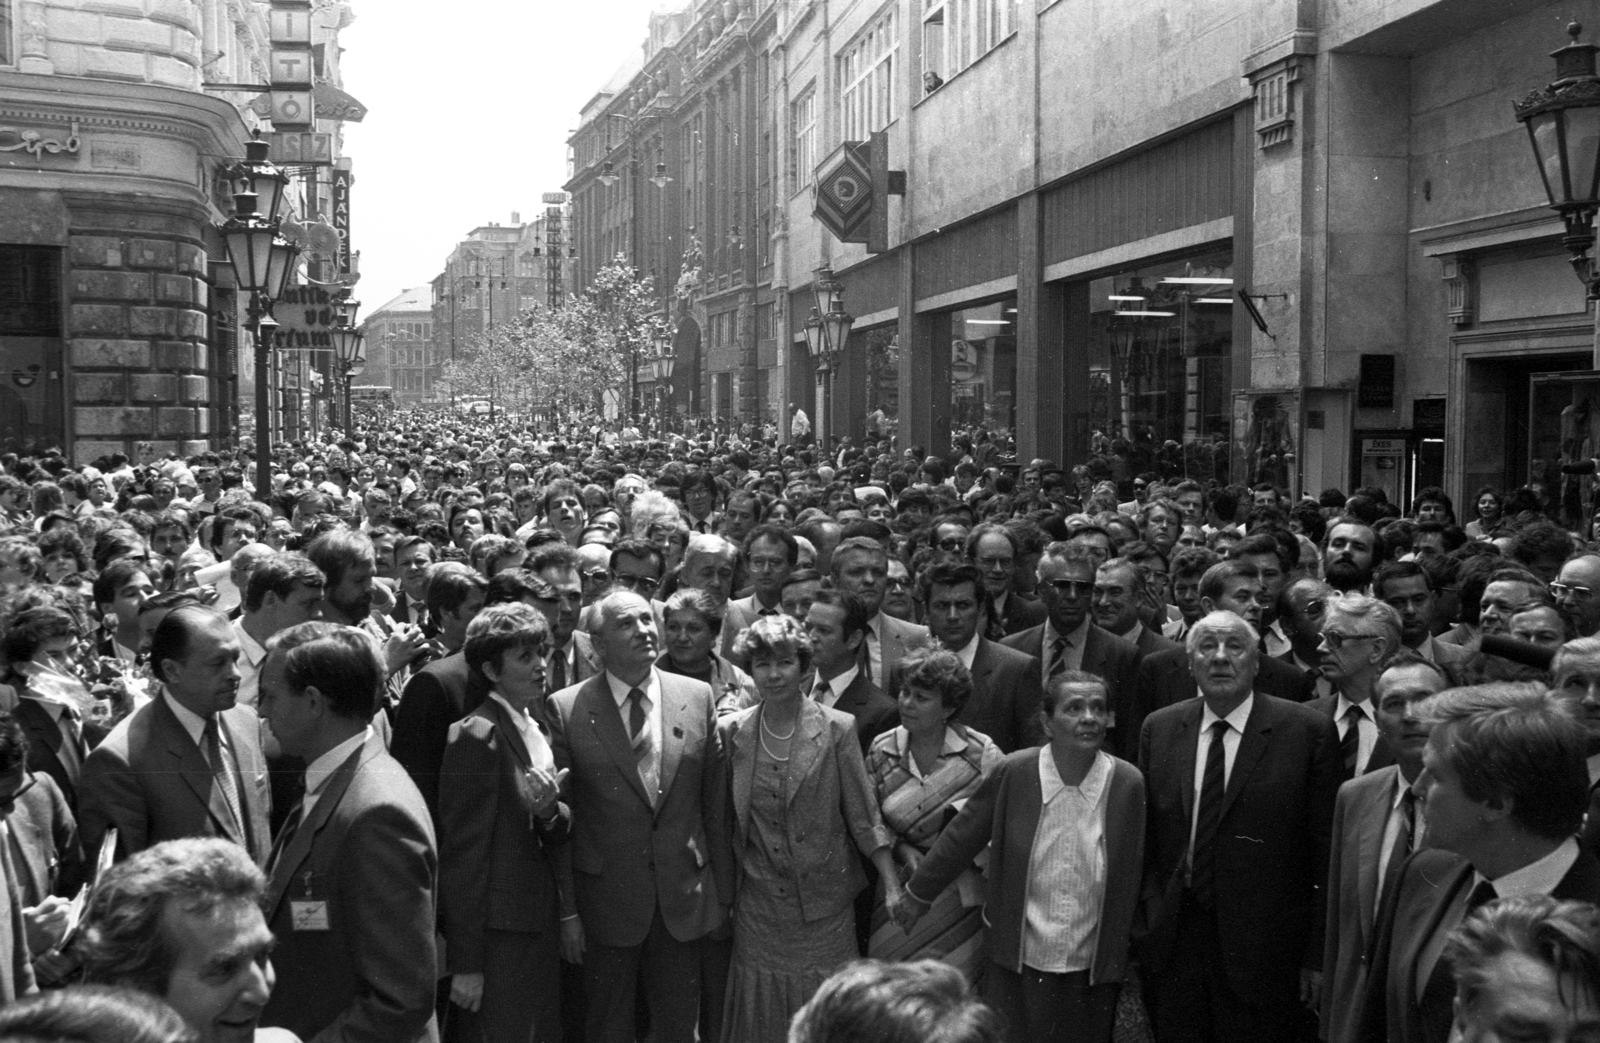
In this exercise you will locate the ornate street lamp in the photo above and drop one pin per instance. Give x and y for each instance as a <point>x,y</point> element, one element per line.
<point>827,332</point>
<point>1563,121</point>
<point>260,177</point>
<point>661,363</point>
<point>348,345</point>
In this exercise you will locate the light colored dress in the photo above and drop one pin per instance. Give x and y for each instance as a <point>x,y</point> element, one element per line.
<point>915,808</point>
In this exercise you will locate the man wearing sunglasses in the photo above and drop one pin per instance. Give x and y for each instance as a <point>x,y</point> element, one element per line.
<point>1577,592</point>
<point>1359,634</point>
<point>1069,640</point>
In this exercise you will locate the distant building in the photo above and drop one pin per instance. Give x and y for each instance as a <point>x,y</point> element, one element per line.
<point>400,347</point>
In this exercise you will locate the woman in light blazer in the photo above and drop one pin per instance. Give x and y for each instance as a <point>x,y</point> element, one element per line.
<point>802,808</point>
<point>1064,825</point>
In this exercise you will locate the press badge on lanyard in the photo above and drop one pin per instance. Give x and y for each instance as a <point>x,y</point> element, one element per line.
<point>309,913</point>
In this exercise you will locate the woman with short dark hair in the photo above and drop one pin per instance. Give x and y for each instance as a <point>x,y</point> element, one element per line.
<point>923,771</point>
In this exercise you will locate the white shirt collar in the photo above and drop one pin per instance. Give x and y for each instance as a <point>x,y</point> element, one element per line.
<point>1093,783</point>
<point>620,689</point>
<point>840,683</point>
<point>253,652</point>
<point>1343,705</point>
<point>969,651</point>
<point>319,770</point>
<point>1536,878</point>
<point>192,722</point>
<point>1594,769</point>
<point>1237,719</point>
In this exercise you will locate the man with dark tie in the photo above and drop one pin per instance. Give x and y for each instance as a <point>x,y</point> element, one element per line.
<point>1359,634</point>
<point>1576,670</point>
<point>1375,828</point>
<point>1504,786</point>
<point>1302,611</point>
<point>770,555</point>
<point>1069,640</point>
<point>1240,787</point>
<point>651,865</point>
<point>571,652</point>
<point>837,623</point>
<point>188,763</point>
<point>861,566</point>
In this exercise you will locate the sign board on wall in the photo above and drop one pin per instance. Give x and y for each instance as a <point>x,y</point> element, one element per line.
<point>341,215</point>
<point>291,65</point>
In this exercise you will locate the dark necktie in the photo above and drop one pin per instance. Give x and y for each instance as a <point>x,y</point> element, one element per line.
<point>291,826</point>
<point>1350,742</point>
<point>1481,896</point>
<point>558,670</point>
<point>1439,991</point>
<point>1404,840</point>
<point>1202,864</point>
<point>1058,656</point>
<point>636,716</point>
<point>222,772</point>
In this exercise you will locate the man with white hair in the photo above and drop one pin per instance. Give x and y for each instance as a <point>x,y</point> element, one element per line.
<point>709,563</point>
<point>1359,635</point>
<point>1240,787</point>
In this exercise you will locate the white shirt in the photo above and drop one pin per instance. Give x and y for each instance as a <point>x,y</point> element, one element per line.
<point>1230,752</point>
<point>539,753</point>
<point>1594,769</point>
<point>1277,642</point>
<point>320,770</point>
<point>193,723</point>
<point>1324,685</point>
<point>1366,737</point>
<point>251,656</point>
<point>875,649</point>
<point>827,692</point>
<point>1066,869</point>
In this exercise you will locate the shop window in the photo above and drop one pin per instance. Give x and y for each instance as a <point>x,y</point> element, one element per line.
<point>1160,365</point>
<point>883,379</point>
<point>956,33</point>
<point>30,289</point>
<point>983,369</point>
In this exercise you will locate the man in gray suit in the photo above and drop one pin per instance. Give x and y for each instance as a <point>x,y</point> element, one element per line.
<point>188,763</point>
<point>650,862</point>
<point>1375,828</point>
<point>861,566</point>
<point>353,875</point>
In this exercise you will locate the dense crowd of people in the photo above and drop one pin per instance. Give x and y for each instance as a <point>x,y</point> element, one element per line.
<point>468,731</point>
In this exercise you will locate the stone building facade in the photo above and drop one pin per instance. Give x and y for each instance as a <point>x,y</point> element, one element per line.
<point>400,347</point>
<point>1092,185</point>
<point>117,330</point>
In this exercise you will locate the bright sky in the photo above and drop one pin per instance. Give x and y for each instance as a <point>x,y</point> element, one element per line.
<point>470,105</point>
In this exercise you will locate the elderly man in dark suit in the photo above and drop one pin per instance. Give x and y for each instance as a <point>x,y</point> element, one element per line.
<point>189,762</point>
<point>1004,704</point>
<point>1070,640</point>
<point>1504,786</point>
<point>1241,788</point>
<point>837,623</point>
<point>1166,678</point>
<point>353,874</point>
<point>1576,670</point>
<point>650,861</point>
<point>1359,635</point>
<point>1375,829</point>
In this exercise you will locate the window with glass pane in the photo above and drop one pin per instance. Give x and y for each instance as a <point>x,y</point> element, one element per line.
<point>983,368</point>
<point>803,118</point>
<point>866,71</point>
<point>882,346</point>
<point>1160,364</point>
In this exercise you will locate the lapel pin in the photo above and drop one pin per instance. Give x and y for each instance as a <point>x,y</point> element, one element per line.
<point>677,732</point>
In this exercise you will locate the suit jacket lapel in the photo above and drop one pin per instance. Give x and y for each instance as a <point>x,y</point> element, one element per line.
<point>1252,745</point>
<point>982,664</point>
<point>674,709</point>
<point>291,858</point>
<point>1093,651</point>
<point>1429,917</point>
<point>1188,737</point>
<point>607,724</point>
<point>1369,848</point>
<point>191,764</point>
<point>742,765</point>
<point>508,727</point>
<point>811,731</point>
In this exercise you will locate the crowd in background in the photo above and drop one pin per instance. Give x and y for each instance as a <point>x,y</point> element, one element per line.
<point>472,731</point>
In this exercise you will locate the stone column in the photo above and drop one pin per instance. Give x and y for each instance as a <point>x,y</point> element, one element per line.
<point>136,328</point>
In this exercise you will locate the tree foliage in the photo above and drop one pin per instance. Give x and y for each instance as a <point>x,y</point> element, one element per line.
<point>563,357</point>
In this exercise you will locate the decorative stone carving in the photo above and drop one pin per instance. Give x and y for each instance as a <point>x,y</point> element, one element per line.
<point>1457,273</point>
<point>1275,90</point>
<point>34,37</point>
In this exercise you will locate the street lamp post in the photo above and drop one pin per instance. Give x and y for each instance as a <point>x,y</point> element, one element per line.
<point>827,332</point>
<point>1563,121</point>
<point>262,262</point>
<point>661,363</point>
<point>349,348</point>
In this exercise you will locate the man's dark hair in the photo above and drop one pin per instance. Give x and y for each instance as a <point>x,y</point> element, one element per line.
<point>173,634</point>
<point>855,613</point>
<point>450,584</point>
<point>1266,543</point>
<point>1190,562</point>
<point>776,534</point>
<point>644,550</point>
<point>279,574</point>
<point>1451,537</point>
<point>1562,936</point>
<point>93,1014</point>
<point>948,573</point>
<point>511,585</point>
<point>1217,576</point>
<point>553,556</point>
<point>340,661</point>
<point>13,744</point>
<point>921,1002</point>
<point>113,576</point>
<point>1540,539</point>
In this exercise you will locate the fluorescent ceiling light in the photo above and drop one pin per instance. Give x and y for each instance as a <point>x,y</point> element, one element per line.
<point>1150,314</point>
<point>987,322</point>
<point>1213,300</point>
<point>1196,280</point>
<point>1123,297</point>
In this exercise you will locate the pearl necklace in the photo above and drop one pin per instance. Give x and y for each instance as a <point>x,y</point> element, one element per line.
<point>765,731</point>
